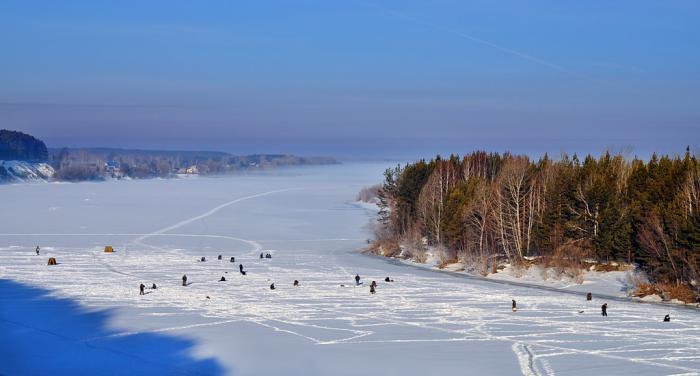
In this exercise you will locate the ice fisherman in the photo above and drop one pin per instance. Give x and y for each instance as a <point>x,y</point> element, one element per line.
<point>142,287</point>
<point>514,305</point>
<point>272,286</point>
<point>296,283</point>
<point>222,279</point>
<point>357,279</point>
<point>604,310</point>
<point>184,280</point>
<point>37,250</point>
<point>372,290</point>
<point>667,318</point>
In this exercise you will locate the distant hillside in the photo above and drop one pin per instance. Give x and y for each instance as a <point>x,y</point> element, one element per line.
<point>82,164</point>
<point>23,158</point>
<point>22,172</point>
<point>18,146</point>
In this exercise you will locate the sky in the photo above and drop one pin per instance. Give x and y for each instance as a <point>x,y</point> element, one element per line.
<point>355,79</point>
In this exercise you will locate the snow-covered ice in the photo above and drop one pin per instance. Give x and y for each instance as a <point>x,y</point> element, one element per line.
<point>423,323</point>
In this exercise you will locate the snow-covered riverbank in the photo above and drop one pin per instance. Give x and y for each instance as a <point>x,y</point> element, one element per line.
<point>23,172</point>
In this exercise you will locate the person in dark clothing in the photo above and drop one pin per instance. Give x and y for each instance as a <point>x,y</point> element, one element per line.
<point>142,287</point>
<point>604,310</point>
<point>272,286</point>
<point>589,296</point>
<point>203,259</point>
<point>372,290</point>
<point>667,318</point>
<point>219,257</point>
<point>514,305</point>
<point>357,279</point>
<point>268,255</point>
<point>387,279</point>
<point>233,259</point>
<point>153,287</point>
<point>184,280</point>
<point>261,256</point>
<point>222,279</point>
<point>373,284</point>
<point>37,250</point>
<point>240,268</point>
<point>296,283</point>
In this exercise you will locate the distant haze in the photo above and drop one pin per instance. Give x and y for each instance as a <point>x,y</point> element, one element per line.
<point>384,79</point>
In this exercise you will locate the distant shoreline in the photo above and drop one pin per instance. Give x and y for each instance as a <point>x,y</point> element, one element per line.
<point>102,164</point>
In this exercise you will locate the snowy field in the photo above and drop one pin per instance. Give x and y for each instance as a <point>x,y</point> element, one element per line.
<point>423,323</point>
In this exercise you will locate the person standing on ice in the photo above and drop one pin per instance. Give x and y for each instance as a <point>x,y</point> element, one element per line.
<point>604,310</point>
<point>142,287</point>
<point>184,280</point>
<point>37,250</point>
<point>357,279</point>
<point>514,306</point>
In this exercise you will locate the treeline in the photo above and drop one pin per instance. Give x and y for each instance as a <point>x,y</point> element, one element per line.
<point>22,147</point>
<point>487,208</point>
<point>98,163</point>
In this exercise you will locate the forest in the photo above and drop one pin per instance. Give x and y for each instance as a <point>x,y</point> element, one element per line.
<point>485,209</point>
<point>21,146</point>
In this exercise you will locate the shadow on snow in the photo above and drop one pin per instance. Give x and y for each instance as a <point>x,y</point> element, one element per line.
<point>42,335</point>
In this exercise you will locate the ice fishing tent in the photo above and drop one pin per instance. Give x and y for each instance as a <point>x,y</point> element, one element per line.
<point>52,261</point>
<point>108,249</point>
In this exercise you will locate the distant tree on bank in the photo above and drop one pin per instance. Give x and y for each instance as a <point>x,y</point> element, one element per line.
<point>21,146</point>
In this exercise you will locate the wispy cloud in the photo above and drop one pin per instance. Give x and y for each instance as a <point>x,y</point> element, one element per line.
<point>475,39</point>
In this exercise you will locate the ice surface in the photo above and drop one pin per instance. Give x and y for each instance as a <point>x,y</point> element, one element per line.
<point>423,323</point>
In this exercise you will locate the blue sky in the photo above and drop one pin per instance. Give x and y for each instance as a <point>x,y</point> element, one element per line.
<point>354,78</point>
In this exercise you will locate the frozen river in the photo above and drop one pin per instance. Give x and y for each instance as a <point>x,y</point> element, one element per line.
<point>423,323</point>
